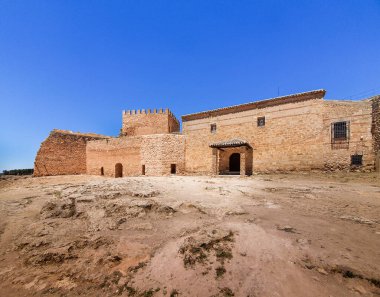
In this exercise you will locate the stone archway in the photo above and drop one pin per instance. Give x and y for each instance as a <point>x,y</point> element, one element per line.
<point>234,164</point>
<point>118,170</point>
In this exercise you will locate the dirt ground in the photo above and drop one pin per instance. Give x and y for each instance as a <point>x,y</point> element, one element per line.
<point>266,235</point>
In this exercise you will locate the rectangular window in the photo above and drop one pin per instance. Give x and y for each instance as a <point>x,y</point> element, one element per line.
<point>340,130</point>
<point>173,169</point>
<point>357,160</point>
<point>260,121</point>
<point>213,128</point>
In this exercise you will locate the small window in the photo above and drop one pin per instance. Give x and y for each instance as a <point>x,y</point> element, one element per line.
<point>101,171</point>
<point>143,169</point>
<point>357,160</point>
<point>260,121</point>
<point>213,128</point>
<point>340,130</point>
<point>173,169</point>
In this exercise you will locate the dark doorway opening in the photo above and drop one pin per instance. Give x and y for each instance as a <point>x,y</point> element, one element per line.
<point>173,169</point>
<point>118,170</point>
<point>143,170</point>
<point>235,163</point>
<point>101,171</point>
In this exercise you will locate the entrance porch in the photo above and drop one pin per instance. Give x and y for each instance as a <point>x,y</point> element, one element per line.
<point>232,157</point>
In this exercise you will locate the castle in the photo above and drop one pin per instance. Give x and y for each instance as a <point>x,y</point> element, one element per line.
<point>296,132</point>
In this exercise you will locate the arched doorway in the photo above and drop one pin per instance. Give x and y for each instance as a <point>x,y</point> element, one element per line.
<point>101,171</point>
<point>118,170</point>
<point>235,163</point>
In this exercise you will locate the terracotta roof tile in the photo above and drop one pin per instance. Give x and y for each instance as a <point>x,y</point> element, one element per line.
<point>299,97</point>
<point>230,143</point>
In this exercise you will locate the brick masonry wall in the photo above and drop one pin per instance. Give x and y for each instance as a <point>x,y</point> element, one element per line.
<point>146,122</point>
<point>359,115</point>
<point>290,139</point>
<point>63,152</point>
<point>157,152</point>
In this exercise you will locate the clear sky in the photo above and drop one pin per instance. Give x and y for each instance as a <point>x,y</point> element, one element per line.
<point>77,64</point>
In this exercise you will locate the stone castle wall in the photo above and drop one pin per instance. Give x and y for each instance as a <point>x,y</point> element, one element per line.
<point>146,122</point>
<point>359,116</point>
<point>289,140</point>
<point>108,152</point>
<point>376,123</point>
<point>63,152</point>
<point>376,130</point>
<point>160,151</point>
<point>157,152</point>
<point>296,136</point>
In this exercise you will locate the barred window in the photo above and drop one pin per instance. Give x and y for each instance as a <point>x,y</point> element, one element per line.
<point>340,130</point>
<point>260,121</point>
<point>213,128</point>
<point>357,160</point>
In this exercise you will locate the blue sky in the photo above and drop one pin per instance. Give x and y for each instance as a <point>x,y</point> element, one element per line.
<point>77,64</point>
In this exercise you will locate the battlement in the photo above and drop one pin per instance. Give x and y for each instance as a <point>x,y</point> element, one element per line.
<point>150,111</point>
<point>148,121</point>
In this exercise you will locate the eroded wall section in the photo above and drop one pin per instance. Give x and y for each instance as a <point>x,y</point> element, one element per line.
<point>63,152</point>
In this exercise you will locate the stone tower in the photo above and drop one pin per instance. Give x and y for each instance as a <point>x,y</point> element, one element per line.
<point>145,122</point>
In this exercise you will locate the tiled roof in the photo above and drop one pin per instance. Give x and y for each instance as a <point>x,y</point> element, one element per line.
<point>230,143</point>
<point>299,97</point>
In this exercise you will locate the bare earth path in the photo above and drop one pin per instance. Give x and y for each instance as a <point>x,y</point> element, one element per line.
<point>269,235</point>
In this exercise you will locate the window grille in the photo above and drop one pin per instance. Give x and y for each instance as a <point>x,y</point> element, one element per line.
<point>261,121</point>
<point>340,135</point>
<point>213,128</point>
<point>340,130</point>
<point>356,160</point>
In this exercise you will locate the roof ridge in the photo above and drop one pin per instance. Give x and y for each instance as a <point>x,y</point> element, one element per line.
<point>256,104</point>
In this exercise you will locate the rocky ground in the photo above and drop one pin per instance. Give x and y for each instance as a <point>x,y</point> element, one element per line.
<point>271,235</point>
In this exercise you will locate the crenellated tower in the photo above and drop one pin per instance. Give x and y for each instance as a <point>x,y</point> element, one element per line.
<point>146,121</point>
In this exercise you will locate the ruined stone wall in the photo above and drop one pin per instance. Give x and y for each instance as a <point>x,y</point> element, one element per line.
<point>63,152</point>
<point>376,123</point>
<point>146,122</point>
<point>376,130</point>
<point>157,152</point>
<point>290,140</point>
<point>359,115</point>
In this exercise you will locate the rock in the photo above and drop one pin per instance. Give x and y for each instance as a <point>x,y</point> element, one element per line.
<point>286,229</point>
<point>322,271</point>
<point>357,220</point>
<point>360,289</point>
<point>59,209</point>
